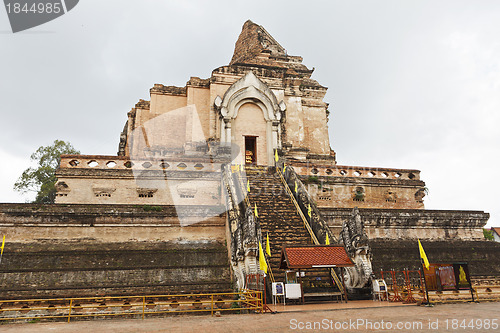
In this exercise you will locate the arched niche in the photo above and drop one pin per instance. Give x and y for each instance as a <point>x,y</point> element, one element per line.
<point>251,90</point>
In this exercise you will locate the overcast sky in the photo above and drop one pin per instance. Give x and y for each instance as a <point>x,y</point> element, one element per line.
<point>412,84</point>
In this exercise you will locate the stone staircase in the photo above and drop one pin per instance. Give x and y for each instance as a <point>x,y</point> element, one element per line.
<point>278,215</point>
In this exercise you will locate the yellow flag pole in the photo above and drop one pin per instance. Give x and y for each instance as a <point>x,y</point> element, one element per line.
<point>422,255</point>
<point>262,259</point>
<point>268,247</point>
<point>1,251</point>
<point>425,264</point>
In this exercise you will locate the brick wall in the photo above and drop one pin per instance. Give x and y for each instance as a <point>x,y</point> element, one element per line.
<point>86,250</point>
<point>413,223</point>
<point>483,256</point>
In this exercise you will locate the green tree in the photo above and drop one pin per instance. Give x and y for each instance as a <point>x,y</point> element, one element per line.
<point>42,178</point>
<point>488,234</point>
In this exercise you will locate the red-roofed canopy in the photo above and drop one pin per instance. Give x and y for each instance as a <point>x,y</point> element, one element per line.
<point>314,256</point>
<point>496,230</point>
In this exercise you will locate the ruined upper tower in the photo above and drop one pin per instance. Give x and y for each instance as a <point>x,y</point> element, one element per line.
<point>263,101</point>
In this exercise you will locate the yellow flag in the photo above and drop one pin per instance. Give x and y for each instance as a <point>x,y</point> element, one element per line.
<point>248,186</point>
<point>276,158</point>
<point>255,210</point>
<point>3,244</point>
<point>309,210</point>
<point>284,169</point>
<point>327,241</point>
<point>422,255</point>
<point>268,247</point>
<point>295,187</point>
<point>262,259</point>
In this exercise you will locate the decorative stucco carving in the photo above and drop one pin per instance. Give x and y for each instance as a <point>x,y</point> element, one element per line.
<point>356,244</point>
<point>146,192</point>
<point>244,231</point>
<point>103,191</point>
<point>391,196</point>
<point>358,194</point>
<point>419,195</point>
<point>187,190</point>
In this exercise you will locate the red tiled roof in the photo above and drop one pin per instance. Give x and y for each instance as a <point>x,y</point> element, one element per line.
<point>314,256</point>
<point>496,230</point>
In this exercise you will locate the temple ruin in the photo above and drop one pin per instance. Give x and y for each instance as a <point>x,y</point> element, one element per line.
<point>203,173</point>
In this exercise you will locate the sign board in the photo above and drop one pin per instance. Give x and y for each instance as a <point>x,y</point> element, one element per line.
<point>379,285</point>
<point>293,291</point>
<point>379,290</point>
<point>278,289</point>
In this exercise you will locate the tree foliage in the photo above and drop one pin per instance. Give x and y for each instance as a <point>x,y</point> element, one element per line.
<point>42,179</point>
<point>488,234</point>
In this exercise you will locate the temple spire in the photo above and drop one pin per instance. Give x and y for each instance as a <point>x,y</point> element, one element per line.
<point>253,40</point>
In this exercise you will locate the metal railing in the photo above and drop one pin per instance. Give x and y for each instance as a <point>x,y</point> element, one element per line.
<point>139,306</point>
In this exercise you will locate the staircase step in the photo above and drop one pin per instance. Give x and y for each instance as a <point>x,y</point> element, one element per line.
<point>278,215</point>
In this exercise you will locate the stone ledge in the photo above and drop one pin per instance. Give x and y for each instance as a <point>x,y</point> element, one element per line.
<point>100,210</point>
<point>413,223</point>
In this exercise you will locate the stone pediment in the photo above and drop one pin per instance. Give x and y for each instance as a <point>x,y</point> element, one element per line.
<point>250,87</point>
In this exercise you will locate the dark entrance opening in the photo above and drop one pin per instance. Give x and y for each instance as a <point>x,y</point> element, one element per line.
<point>250,150</point>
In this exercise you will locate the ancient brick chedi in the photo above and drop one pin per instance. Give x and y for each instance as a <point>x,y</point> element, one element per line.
<point>261,107</point>
<point>203,173</point>
<point>263,102</point>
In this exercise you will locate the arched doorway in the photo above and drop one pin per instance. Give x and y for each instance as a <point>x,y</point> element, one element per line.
<point>249,132</point>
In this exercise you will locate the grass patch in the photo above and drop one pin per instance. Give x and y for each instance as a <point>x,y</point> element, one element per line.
<point>148,208</point>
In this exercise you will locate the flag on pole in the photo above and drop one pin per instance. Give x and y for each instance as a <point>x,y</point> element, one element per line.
<point>255,211</point>
<point>295,187</point>
<point>327,241</point>
<point>276,158</point>
<point>248,186</point>
<point>284,168</point>
<point>268,247</point>
<point>3,244</point>
<point>422,255</point>
<point>262,259</point>
<point>309,210</point>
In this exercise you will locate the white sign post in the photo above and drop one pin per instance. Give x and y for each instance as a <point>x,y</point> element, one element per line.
<point>278,290</point>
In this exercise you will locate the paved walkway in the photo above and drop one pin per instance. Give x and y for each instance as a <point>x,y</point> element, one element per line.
<point>331,306</point>
<point>370,316</point>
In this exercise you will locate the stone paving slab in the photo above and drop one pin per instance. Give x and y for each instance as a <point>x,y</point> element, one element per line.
<point>312,318</point>
<point>333,306</point>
